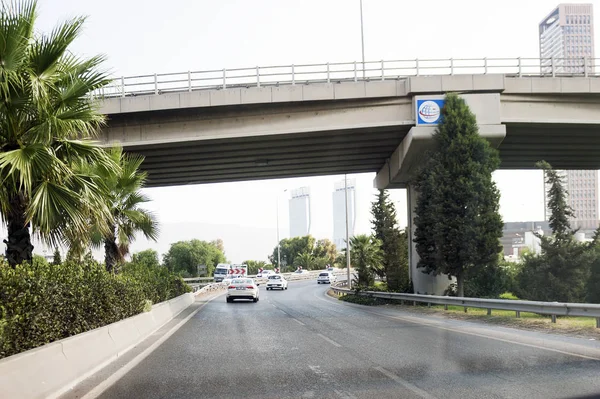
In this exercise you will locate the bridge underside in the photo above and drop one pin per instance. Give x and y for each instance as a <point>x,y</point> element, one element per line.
<point>564,146</point>
<point>347,151</point>
<point>269,157</point>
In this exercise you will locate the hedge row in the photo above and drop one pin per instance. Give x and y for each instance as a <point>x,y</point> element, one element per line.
<point>42,303</point>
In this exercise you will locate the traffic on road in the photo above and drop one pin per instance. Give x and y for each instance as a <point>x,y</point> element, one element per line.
<point>319,347</point>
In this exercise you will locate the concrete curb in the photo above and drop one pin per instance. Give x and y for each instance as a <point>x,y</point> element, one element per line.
<point>53,369</point>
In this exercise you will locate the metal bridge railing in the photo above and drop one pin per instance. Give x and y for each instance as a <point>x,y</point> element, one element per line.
<point>345,71</point>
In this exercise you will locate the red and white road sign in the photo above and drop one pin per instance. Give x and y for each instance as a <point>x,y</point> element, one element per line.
<point>237,272</point>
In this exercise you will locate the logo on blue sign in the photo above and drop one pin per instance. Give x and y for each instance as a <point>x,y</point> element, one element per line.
<point>429,111</point>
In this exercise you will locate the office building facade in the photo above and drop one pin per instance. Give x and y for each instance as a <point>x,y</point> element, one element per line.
<point>299,211</point>
<point>566,39</point>
<point>339,212</point>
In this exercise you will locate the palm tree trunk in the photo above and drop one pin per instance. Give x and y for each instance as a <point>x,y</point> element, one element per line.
<point>111,252</point>
<point>18,244</point>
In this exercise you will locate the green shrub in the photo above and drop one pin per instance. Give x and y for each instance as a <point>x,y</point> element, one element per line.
<point>42,303</point>
<point>358,299</point>
<point>593,282</point>
<point>508,295</point>
<point>157,282</point>
<point>364,300</point>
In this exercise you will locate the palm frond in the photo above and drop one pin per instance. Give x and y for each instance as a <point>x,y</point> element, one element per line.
<point>134,199</point>
<point>143,221</point>
<point>30,164</point>
<point>16,29</point>
<point>86,151</point>
<point>48,50</point>
<point>51,205</point>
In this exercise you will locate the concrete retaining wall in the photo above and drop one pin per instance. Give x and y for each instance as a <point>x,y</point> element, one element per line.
<point>52,369</point>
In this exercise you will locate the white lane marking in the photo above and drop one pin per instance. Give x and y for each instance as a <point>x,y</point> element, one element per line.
<point>405,383</point>
<point>299,322</point>
<point>332,342</point>
<point>344,395</point>
<point>120,373</point>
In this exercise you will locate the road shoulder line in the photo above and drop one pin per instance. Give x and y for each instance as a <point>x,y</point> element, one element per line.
<point>100,388</point>
<point>405,383</point>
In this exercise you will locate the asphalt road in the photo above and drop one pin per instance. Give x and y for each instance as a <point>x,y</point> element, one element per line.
<point>300,344</point>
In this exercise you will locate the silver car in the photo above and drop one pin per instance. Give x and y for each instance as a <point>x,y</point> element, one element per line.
<point>277,281</point>
<point>326,278</point>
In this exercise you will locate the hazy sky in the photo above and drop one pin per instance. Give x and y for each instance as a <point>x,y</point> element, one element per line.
<point>141,37</point>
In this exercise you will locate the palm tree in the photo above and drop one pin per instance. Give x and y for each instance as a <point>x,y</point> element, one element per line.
<point>306,260</point>
<point>124,198</point>
<point>255,265</point>
<point>46,119</point>
<point>366,256</point>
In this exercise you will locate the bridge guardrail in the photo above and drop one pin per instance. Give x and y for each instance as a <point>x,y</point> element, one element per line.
<point>160,83</point>
<point>552,309</point>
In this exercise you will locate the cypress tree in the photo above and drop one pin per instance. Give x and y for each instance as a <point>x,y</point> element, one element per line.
<point>458,227</point>
<point>394,245</point>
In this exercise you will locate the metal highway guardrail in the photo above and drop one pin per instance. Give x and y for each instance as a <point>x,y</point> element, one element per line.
<point>161,83</point>
<point>552,309</point>
<point>197,279</point>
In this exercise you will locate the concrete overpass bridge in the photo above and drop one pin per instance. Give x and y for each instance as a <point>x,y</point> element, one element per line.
<point>275,122</point>
<point>305,120</point>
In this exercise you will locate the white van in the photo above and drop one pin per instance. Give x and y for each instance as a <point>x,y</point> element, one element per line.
<point>221,271</point>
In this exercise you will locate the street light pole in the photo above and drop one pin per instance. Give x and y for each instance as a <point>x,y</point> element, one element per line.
<point>362,38</point>
<point>349,282</point>
<point>278,241</point>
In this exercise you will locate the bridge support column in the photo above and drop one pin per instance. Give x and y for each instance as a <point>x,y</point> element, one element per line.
<point>422,283</point>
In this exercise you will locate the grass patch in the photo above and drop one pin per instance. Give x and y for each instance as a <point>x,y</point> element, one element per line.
<point>574,326</point>
<point>568,322</point>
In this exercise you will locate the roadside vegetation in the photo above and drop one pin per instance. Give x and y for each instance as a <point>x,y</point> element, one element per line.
<point>58,184</point>
<point>307,253</point>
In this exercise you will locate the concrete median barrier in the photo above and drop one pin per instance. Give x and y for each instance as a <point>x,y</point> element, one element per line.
<point>124,334</point>
<point>145,323</point>
<point>53,369</point>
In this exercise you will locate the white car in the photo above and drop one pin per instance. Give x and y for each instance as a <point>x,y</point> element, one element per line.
<point>326,278</point>
<point>242,288</point>
<point>277,281</point>
<point>265,274</point>
<point>227,280</point>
